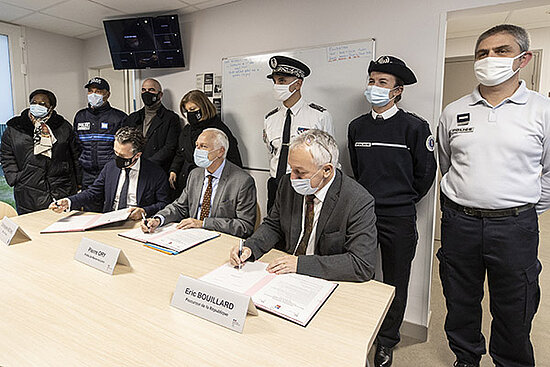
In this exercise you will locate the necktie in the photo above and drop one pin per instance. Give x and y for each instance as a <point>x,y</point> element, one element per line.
<point>308,226</point>
<point>283,157</point>
<point>379,118</point>
<point>205,207</point>
<point>123,198</point>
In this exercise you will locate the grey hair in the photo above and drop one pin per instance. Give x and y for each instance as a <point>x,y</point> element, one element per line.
<point>519,33</point>
<point>155,81</point>
<point>220,139</point>
<point>320,144</point>
<point>127,134</point>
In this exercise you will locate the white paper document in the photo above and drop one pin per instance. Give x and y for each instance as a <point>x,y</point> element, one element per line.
<point>77,222</point>
<point>170,239</point>
<point>294,297</point>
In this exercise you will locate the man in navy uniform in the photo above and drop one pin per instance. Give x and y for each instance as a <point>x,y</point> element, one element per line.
<point>95,127</point>
<point>494,153</point>
<point>291,118</point>
<point>392,156</point>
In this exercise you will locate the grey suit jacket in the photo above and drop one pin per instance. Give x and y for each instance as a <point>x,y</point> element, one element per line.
<point>233,210</point>
<point>345,240</point>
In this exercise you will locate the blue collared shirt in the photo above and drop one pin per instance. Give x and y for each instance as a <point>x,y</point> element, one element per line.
<point>215,180</point>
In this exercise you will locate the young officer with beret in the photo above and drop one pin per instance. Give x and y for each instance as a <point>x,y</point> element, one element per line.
<point>392,156</point>
<point>293,117</point>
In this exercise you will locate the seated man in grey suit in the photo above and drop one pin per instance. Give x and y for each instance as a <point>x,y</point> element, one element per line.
<point>219,195</point>
<point>324,219</point>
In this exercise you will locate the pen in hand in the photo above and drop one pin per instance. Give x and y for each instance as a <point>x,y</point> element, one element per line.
<point>145,221</point>
<point>241,241</point>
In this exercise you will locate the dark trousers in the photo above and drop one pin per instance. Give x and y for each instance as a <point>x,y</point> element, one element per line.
<point>397,237</point>
<point>505,250</point>
<point>272,184</point>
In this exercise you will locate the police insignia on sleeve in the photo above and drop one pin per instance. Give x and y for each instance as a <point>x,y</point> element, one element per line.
<point>430,143</point>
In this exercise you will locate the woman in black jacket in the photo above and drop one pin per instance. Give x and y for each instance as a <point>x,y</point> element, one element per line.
<point>201,114</point>
<point>39,154</point>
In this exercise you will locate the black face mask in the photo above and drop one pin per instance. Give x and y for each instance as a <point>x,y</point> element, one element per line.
<point>149,98</point>
<point>194,117</point>
<point>123,162</point>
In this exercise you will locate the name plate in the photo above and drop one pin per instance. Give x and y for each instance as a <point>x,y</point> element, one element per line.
<point>213,303</point>
<point>100,256</point>
<point>11,233</point>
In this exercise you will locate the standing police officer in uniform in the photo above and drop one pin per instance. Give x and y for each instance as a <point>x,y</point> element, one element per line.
<point>392,156</point>
<point>292,118</point>
<point>95,127</point>
<point>495,160</point>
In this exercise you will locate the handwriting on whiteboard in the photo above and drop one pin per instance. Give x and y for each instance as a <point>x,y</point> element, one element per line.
<point>347,52</point>
<point>241,68</point>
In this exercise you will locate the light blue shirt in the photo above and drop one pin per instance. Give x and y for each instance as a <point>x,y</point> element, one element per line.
<point>215,180</point>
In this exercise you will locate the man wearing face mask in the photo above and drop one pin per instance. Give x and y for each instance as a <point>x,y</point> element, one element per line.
<point>218,196</point>
<point>159,125</point>
<point>293,117</point>
<point>392,156</point>
<point>494,155</point>
<point>95,127</point>
<point>127,181</point>
<point>324,219</point>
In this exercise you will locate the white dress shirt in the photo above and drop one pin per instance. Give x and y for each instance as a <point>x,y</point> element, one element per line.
<point>132,188</point>
<point>496,157</point>
<point>215,180</point>
<point>304,117</point>
<point>386,114</point>
<point>317,206</point>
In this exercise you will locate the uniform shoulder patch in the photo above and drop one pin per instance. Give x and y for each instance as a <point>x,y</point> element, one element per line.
<point>272,112</point>
<point>317,107</point>
<point>430,143</point>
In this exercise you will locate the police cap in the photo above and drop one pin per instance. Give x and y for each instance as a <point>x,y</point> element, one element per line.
<point>394,66</point>
<point>288,66</point>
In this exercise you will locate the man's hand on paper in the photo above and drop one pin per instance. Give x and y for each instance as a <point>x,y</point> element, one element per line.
<point>135,213</point>
<point>59,206</point>
<point>283,265</point>
<point>189,223</point>
<point>234,255</point>
<point>152,224</point>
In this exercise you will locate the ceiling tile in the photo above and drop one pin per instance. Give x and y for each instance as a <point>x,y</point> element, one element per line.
<point>10,12</point>
<point>140,7</point>
<point>82,11</point>
<point>55,25</point>
<point>33,4</point>
<point>212,3</point>
<point>91,34</point>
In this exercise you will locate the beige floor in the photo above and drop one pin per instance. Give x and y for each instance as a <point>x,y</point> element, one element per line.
<point>435,352</point>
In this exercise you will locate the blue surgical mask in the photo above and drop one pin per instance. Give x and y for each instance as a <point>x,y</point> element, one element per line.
<point>201,158</point>
<point>95,100</point>
<point>378,96</point>
<point>303,185</point>
<point>39,111</point>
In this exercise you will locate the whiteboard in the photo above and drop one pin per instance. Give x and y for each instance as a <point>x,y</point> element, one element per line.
<point>337,81</point>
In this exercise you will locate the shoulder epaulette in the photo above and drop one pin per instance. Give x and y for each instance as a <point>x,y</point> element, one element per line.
<point>272,112</point>
<point>415,116</point>
<point>317,107</point>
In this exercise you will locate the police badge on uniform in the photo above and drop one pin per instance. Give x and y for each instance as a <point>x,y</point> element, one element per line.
<point>430,143</point>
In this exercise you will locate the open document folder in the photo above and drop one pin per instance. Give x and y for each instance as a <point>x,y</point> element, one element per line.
<point>77,222</point>
<point>169,239</point>
<point>294,297</point>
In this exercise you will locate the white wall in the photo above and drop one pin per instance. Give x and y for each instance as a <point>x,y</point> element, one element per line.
<point>55,62</point>
<point>540,39</point>
<point>411,30</point>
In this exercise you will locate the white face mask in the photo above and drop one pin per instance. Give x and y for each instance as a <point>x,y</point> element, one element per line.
<point>95,100</point>
<point>378,96</point>
<point>492,71</point>
<point>303,185</point>
<point>281,92</point>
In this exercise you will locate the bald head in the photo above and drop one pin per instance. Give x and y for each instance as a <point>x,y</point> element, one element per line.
<point>151,85</point>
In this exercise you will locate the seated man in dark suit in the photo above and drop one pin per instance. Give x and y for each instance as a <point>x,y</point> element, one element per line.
<point>128,181</point>
<point>324,219</point>
<point>218,196</point>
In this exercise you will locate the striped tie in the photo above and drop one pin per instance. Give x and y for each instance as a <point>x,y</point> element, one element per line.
<point>205,207</point>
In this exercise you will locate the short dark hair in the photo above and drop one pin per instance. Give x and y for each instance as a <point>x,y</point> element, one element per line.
<point>47,93</point>
<point>519,33</point>
<point>398,83</point>
<point>128,134</point>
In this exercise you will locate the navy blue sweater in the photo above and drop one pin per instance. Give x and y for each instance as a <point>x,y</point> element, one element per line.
<point>393,159</point>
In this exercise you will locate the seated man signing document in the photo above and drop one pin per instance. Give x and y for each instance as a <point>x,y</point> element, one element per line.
<point>128,181</point>
<point>324,219</point>
<point>219,195</point>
